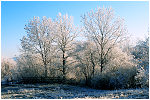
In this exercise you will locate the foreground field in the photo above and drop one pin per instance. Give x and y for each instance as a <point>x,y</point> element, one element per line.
<point>60,91</point>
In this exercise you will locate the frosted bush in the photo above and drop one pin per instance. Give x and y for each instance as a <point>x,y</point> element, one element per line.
<point>118,73</point>
<point>8,69</point>
<point>142,78</point>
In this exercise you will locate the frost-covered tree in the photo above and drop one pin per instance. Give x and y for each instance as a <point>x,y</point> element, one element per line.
<point>141,54</point>
<point>105,30</point>
<point>66,32</point>
<point>39,40</point>
<point>107,33</point>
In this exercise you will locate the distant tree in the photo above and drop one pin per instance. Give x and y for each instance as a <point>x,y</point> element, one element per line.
<point>105,30</point>
<point>39,39</point>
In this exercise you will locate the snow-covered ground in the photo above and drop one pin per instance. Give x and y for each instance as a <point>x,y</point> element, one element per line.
<point>60,91</point>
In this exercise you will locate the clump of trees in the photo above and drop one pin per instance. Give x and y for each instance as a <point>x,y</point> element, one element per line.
<point>50,50</point>
<point>50,41</point>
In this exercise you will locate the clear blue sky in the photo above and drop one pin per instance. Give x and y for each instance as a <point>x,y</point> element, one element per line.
<point>15,14</point>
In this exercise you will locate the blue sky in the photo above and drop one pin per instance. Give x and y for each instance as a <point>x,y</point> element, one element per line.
<point>15,14</point>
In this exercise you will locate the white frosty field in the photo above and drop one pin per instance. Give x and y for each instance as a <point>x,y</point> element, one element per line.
<point>60,91</point>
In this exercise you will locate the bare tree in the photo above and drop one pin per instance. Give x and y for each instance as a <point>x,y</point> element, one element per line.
<point>66,33</point>
<point>105,30</point>
<point>39,39</point>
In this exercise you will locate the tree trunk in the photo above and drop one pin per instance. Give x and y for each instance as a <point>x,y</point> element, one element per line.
<point>87,81</point>
<point>101,63</point>
<point>64,65</point>
<point>102,58</point>
<point>45,65</point>
<point>93,70</point>
<point>101,68</point>
<point>93,65</point>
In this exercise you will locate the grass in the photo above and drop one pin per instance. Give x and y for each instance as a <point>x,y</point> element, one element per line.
<point>61,91</point>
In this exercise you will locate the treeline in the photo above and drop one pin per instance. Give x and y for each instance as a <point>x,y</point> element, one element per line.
<point>96,54</point>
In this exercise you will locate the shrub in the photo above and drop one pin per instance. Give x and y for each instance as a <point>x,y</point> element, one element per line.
<point>8,70</point>
<point>119,78</point>
<point>142,78</point>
